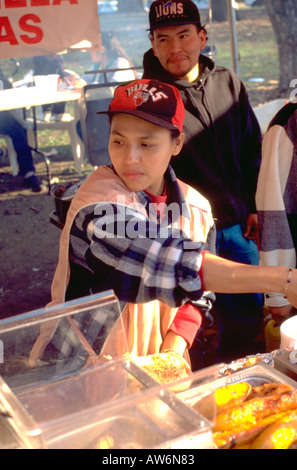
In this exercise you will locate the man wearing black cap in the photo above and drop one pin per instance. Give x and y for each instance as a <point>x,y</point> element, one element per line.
<point>221,155</point>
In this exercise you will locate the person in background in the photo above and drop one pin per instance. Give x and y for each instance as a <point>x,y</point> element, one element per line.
<point>276,201</point>
<point>9,125</point>
<point>112,56</point>
<point>134,228</point>
<point>220,158</point>
<point>53,64</point>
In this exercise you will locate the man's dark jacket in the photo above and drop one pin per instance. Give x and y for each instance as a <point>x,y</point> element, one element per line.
<point>222,151</point>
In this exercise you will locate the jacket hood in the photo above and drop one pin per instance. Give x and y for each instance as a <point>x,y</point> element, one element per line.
<point>153,69</point>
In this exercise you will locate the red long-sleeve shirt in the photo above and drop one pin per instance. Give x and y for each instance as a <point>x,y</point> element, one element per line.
<point>188,318</point>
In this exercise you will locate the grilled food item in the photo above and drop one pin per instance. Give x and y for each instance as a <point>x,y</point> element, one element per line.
<point>266,389</point>
<point>164,367</point>
<point>223,398</point>
<point>231,395</point>
<point>256,408</point>
<point>279,435</point>
<point>240,437</point>
<point>266,419</point>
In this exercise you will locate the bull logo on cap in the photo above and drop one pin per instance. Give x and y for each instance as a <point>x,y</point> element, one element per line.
<point>140,97</point>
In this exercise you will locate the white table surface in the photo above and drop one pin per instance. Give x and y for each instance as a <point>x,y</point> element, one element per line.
<point>25,97</point>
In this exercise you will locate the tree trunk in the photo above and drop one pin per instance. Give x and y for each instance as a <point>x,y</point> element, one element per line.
<point>219,10</point>
<point>283,16</point>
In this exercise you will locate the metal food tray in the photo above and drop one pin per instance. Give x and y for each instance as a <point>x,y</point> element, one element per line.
<point>254,375</point>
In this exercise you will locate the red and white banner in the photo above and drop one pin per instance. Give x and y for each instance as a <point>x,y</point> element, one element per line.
<point>40,27</point>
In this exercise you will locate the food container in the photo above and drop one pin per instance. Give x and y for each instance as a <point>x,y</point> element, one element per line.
<point>64,400</point>
<point>287,363</point>
<point>256,418</point>
<point>101,416</point>
<point>255,375</point>
<point>48,83</point>
<point>63,195</point>
<point>197,395</point>
<point>17,428</point>
<point>288,332</point>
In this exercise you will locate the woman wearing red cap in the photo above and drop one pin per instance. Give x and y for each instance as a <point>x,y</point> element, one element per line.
<point>134,228</point>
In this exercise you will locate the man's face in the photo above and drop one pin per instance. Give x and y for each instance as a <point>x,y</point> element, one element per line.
<point>178,49</point>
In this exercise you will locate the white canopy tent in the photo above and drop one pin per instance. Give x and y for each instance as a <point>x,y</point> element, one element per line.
<point>41,27</point>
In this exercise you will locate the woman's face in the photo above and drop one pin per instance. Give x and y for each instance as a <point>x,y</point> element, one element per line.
<point>99,56</point>
<point>140,152</point>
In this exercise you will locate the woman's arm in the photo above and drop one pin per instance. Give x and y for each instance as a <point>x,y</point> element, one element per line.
<point>223,276</point>
<point>140,268</point>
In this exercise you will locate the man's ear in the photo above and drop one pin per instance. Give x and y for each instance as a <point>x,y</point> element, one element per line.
<point>203,38</point>
<point>152,39</point>
<point>153,45</point>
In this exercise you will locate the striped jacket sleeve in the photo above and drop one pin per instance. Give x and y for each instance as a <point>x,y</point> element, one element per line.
<point>137,258</point>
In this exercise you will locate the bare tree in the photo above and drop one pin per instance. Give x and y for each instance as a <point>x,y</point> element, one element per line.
<point>283,16</point>
<point>219,10</point>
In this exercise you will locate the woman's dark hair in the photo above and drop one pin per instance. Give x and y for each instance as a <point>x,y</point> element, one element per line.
<point>113,48</point>
<point>174,134</point>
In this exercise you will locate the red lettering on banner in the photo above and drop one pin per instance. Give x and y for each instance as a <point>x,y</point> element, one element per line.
<point>34,3</point>
<point>7,33</point>
<point>40,3</point>
<point>38,33</point>
<point>9,36</point>
<point>15,3</point>
<point>72,2</point>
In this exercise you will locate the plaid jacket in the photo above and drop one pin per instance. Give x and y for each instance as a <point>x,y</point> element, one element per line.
<point>126,248</point>
<point>113,240</point>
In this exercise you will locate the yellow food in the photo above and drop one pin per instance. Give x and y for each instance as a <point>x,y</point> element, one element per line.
<point>105,442</point>
<point>265,419</point>
<point>231,395</point>
<point>267,389</point>
<point>255,409</point>
<point>241,436</point>
<point>165,368</point>
<point>279,435</point>
<point>223,398</point>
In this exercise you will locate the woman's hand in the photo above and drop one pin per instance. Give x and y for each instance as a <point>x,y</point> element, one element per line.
<point>279,314</point>
<point>251,228</point>
<point>174,342</point>
<point>176,346</point>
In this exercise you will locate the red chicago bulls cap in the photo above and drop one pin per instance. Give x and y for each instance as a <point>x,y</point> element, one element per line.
<point>151,100</point>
